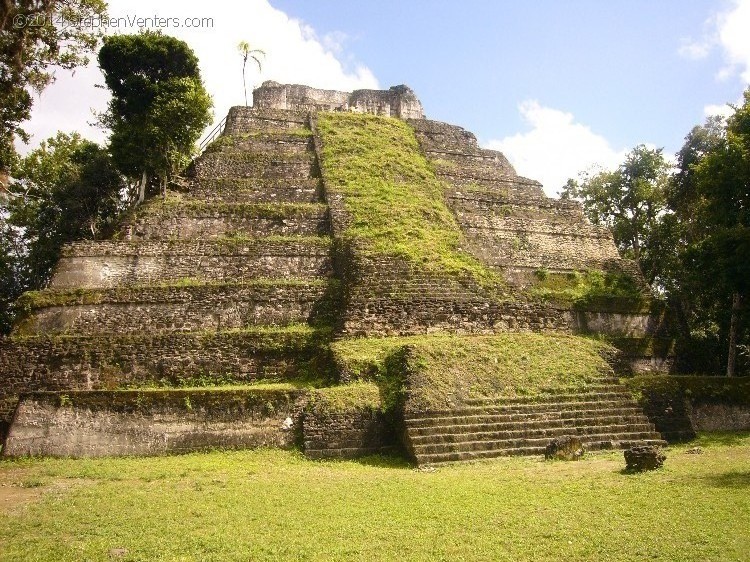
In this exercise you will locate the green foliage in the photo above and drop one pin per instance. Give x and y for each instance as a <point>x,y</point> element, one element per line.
<point>159,106</point>
<point>276,505</point>
<point>629,201</point>
<point>32,41</point>
<point>392,195</point>
<point>444,370</point>
<point>583,287</point>
<point>711,200</point>
<point>67,189</point>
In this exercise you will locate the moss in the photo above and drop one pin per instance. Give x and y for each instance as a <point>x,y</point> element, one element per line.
<point>586,288</point>
<point>695,389</point>
<point>34,300</point>
<point>268,339</point>
<point>345,398</point>
<point>439,371</point>
<point>394,200</point>
<point>263,400</point>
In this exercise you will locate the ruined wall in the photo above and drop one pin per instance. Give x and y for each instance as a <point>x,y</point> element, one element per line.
<point>355,433</point>
<point>508,221</point>
<point>398,101</point>
<point>680,406</point>
<point>169,309</point>
<point>151,422</point>
<point>112,264</point>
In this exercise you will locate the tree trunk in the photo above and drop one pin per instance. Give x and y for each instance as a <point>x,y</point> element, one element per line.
<point>142,189</point>
<point>244,83</point>
<point>732,358</point>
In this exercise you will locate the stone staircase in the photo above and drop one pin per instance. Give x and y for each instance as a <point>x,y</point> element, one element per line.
<point>225,281</point>
<point>604,416</point>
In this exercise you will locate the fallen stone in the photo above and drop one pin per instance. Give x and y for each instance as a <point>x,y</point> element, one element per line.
<point>644,457</point>
<point>568,448</point>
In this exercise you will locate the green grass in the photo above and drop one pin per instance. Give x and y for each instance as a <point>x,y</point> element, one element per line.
<point>443,370</point>
<point>395,201</point>
<point>344,398</point>
<point>275,505</point>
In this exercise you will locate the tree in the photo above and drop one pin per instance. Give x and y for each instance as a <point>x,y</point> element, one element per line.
<point>630,201</point>
<point>67,189</point>
<point>720,244</point>
<point>159,105</point>
<point>36,35</point>
<point>254,54</point>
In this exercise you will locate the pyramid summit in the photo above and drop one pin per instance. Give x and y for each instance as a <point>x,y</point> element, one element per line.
<point>339,273</point>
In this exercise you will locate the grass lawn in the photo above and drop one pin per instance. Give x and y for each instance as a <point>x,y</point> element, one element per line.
<point>276,505</point>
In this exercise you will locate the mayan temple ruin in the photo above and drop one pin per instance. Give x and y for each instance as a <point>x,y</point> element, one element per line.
<point>336,272</point>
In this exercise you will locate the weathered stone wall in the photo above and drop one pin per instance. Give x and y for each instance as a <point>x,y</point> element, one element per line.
<point>168,309</point>
<point>242,119</point>
<point>112,264</point>
<point>191,222</point>
<point>680,406</point>
<point>240,164</point>
<point>720,417</point>
<point>354,433</point>
<point>398,101</point>
<point>254,190</point>
<point>108,362</point>
<point>94,424</point>
<point>508,221</point>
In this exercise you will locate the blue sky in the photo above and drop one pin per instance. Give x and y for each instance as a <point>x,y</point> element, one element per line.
<point>557,85</point>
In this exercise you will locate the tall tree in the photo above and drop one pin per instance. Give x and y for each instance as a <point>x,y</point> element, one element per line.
<point>252,54</point>
<point>722,247</point>
<point>159,106</point>
<point>630,201</point>
<point>67,189</point>
<point>35,37</point>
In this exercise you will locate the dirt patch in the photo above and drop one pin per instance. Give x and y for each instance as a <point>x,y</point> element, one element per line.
<point>17,489</point>
<point>20,487</point>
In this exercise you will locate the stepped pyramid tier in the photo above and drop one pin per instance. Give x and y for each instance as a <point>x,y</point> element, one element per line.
<point>216,316</point>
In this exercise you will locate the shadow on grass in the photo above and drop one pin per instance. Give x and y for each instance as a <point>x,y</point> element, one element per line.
<point>735,479</point>
<point>722,438</point>
<point>383,460</point>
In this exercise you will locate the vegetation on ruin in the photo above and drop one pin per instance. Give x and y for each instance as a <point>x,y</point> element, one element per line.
<point>33,300</point>
<point>276,505</point>
<point>446,370</point>
<point>583,287</point>
<point>696,389</point>
<point>395,201</point>
<point>359,395</point>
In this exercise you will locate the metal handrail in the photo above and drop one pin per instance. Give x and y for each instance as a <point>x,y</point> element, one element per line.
<point>215,132</point>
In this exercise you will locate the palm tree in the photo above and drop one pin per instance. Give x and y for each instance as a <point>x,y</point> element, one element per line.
<point>248,53</point>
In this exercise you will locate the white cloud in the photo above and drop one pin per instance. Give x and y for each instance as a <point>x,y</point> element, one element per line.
<point>294,54</point>
<point>556,148</point>
<point>728,31</point>
<point>722,110</point>
<point>696,50</point>
<point>734,37</point>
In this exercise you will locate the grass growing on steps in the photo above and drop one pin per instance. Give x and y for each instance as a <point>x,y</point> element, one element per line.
<point>395,201</point>
<point>276,505</point>
<point>441,371</point>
